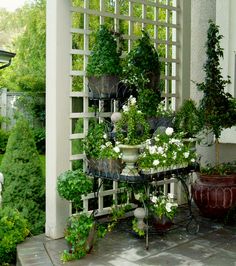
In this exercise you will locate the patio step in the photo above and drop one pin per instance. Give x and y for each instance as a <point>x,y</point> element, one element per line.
<point>32,252</point>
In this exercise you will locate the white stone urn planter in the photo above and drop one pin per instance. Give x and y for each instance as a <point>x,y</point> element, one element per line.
<point>130,155</point>
<point>139,214</point>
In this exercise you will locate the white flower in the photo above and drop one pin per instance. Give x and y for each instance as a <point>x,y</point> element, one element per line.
<point>103,147</point>
<point>108,144</point>
<point>169,131</point>
<point>154,199</point>
<point>152,149</point>
<point>116,149</point>
<point>186,154</point>
<point>156,162</point>
<point>171,196</point>
<point>148,142</point>
<point>139,112</point>
<point>125,108</point>
<point>160,150</point>
<point>193,160</point>
<point>105,136</point>
<point>132,100</point>
<point>168,206</point>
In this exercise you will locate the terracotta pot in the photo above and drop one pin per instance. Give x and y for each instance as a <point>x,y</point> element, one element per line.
<point>103,87</point>
<point>214,195</point>
<point>161,224</point>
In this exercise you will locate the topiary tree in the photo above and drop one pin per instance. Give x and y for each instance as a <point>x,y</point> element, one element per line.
<point>218,107</point>
<point>24,182</point>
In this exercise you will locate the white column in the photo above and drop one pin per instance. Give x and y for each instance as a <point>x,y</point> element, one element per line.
<point>57,112</point>
<point>183,37</point>
<point>201,12</point>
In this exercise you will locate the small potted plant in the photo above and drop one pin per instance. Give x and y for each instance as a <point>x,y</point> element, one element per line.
<point>167,150</point>
<point>188,119</point>
<point>81,231</point>
<point>141,67</point>
<point>163,209</point>
<point>141,75</point>
<point>131,131</point>
<point>103,154</point>
<point>214,193</point>
<point>103,69</point>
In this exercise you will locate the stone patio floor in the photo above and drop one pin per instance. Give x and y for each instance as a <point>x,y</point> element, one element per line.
<point>214,244</point>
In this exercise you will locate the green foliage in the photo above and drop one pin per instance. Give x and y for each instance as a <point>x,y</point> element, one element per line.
<point>148,102</point>
<point>24,182</point>
<point>141,67</point>
<point>218,107</point>
<point>104,58</point>
<point>96,137</point>
<point>39,135</point>
<point>117,212</point>
<point>132,128</point>
<point>163,206</point>
<point>13,230</point>
<point>71,185</point>
<point>222,169</point>
<point>136,229</point>
<point>4,135</point>
<point>188,119</point>
<point>76,235</point>
<point>27,72</point>
<point>166,150</point>
<point>81,233</point>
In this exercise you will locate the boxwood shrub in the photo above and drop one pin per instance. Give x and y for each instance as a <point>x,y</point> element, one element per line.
<point>24,182</point>
<point>13,230</point>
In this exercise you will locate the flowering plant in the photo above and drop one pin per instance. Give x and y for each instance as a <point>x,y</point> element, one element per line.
<point>166,150</point>
<point>164,206</point>
<point>132,128</point>
<point>109,150</point>
<point>97,144</point>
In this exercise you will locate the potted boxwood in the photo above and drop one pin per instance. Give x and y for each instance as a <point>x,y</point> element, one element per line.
<point>103,69</point>
<point>188,119</point>
<point>215,191</point>
<point>141,75</point>
<point>81,231</point>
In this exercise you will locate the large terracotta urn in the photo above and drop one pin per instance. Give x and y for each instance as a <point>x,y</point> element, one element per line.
<point>214,195</point>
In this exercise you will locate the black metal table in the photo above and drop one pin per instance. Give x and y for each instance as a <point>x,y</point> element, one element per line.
<point>181,174</point>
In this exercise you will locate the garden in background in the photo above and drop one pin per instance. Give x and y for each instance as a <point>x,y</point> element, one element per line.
<point>22,135</point>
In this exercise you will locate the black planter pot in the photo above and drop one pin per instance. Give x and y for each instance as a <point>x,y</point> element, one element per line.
<point>104,87</point>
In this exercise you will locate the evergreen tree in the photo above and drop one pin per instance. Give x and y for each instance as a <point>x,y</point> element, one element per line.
<point>24,182</point>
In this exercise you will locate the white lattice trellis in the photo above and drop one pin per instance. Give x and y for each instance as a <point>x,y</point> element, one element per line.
<point>160,18</point>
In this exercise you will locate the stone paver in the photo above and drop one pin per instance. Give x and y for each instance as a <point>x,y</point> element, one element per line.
<point>215,244</point>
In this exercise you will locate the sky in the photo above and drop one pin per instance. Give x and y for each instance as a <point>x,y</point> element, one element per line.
<point>11,5</point>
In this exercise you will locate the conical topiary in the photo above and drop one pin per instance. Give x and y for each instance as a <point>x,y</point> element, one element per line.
<point>24,181</point>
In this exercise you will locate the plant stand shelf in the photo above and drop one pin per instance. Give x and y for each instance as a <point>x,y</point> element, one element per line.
<point>146,180</point>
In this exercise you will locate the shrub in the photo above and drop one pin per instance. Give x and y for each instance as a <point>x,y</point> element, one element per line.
<point>13,230</point>
<point>24,181</point>
<point>3,140</point>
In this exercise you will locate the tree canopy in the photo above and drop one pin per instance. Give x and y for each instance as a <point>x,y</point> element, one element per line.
<point>28,41</point>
